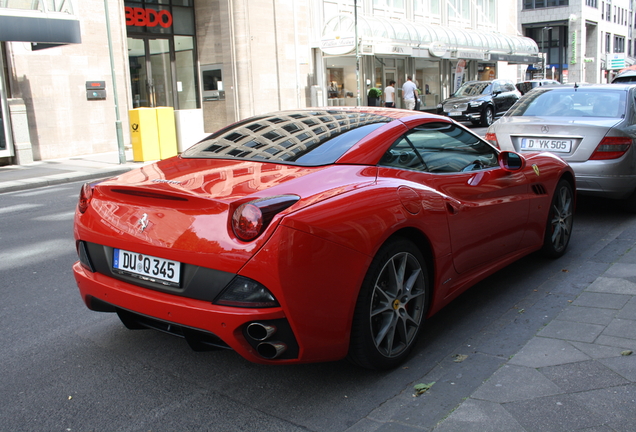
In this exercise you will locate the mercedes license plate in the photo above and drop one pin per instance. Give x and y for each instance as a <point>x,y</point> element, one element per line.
<point>147,267</point>
<point>547,144</point>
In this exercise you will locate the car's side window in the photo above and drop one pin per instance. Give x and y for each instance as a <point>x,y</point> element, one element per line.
<point>440,148</point>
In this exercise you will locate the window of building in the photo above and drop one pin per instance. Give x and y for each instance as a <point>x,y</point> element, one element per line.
<point>619,44</point>
<point>608,41</point>
<point>608,12</point>
<point>536,4</point>
<point>591,3</point>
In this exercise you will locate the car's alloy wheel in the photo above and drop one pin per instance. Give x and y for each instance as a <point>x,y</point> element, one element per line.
<point>560,221</point>
<point>487,117</point>
<point>391,307</point>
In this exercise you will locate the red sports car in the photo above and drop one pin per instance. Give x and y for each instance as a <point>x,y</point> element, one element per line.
<point>316,234</point>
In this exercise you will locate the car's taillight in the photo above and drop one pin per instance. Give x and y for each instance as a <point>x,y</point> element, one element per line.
<point>611,148</point>
<point>492,139</point>
<point>251,218</point>
<point>86,193</point>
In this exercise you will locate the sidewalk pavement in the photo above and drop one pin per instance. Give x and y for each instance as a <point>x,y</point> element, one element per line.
<point>59,171</point>
<point>577,373</point>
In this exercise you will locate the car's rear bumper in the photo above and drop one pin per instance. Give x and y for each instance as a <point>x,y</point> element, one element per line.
<point>228,324</point>
<point>615,180</point>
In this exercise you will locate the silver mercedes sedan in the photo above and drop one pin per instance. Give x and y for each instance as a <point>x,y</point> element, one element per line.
<point>592,127</point>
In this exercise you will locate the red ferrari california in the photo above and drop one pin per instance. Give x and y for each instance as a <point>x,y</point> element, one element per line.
<point>317,234</point>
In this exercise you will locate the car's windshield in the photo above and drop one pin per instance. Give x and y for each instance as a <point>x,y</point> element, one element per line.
<point>571,102</point>
<point>474,88</point>
<point>307,138</point>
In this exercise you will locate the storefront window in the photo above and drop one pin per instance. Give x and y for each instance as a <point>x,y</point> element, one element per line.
<point>185,62</point>
<point>341,81</point>
<point>162,53</point>
<point>427,79</point>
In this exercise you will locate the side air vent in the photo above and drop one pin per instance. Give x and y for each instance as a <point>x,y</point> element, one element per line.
<point>539,189</point>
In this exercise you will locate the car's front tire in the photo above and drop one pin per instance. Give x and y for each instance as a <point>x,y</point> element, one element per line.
<point>487,116</point>
<point>391,306</point>
<point>560,220</point>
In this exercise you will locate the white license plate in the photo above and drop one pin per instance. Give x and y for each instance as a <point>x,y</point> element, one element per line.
<point>546,144</point>
<point>147,267</point>
<point>455,113</point>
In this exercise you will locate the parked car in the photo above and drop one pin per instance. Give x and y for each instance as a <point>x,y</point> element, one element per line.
<point>480,102</point>
<point>592,127</point>
<point>315,235</point>
<point>628,76</point>
<point>525,86</point>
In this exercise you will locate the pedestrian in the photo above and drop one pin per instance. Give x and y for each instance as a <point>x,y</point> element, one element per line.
<point>409,93</point>
<point>389,95</point>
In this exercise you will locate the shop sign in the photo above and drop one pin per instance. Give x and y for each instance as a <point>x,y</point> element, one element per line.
<point>475,55</point>
<point>615,61</point>
<point>338,43</point>
<point>437,49</point>
<point>140,17</point>
<point>393,49</point>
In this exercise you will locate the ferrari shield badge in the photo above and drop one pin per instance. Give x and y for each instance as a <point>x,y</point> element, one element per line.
<point>536,169</point>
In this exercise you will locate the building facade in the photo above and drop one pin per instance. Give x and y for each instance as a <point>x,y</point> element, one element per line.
<point>583,40</point>
<point>219,61</point>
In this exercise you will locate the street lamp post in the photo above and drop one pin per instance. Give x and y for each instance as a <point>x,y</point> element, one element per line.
<point>545,54</point>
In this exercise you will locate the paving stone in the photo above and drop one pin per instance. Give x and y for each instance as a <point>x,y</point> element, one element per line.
<point>623,343</point>
<point>629,310</point>
<point>601,300</point>
<point>541,352</point>
<point>625,366</point>
<point>613,286</point>
<point>560,413</point>
<point>514,383</point>
<point>613,250</point>
<point>621,328</point>
<point>621,270</point>
<point>582,376</point>
<point>597,351</point>
<point>573,331</point>
<point>590,315</point>
<point>616,404</point>
<point>476,415</point>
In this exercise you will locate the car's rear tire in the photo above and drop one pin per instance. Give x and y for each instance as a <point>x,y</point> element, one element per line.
<point>391,306</point>
<point>487,116</point>
<point>560,220</point>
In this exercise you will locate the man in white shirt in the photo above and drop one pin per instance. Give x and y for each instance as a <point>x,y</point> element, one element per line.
<point>389,95</point>
<point>409,93</point>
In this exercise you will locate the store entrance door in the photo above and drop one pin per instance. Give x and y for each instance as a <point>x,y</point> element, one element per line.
<point>151,71</point>
<point>390,74</point>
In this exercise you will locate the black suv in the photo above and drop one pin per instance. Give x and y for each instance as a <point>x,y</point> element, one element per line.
<point>480,101</point>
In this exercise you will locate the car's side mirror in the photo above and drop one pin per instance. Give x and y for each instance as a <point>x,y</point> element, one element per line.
<point>511,161</point>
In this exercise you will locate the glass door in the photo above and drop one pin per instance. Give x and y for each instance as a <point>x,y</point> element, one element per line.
<point>6,146</point>
<point>151,72</point>
<point>390,74</point>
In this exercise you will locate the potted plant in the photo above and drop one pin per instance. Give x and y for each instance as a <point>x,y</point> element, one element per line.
<point>373,96</point>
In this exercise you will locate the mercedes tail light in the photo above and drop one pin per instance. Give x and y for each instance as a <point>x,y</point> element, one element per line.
<point>251,218</point>
<point>86,193</point>
<point>492,139</point>
<point>611,148</point>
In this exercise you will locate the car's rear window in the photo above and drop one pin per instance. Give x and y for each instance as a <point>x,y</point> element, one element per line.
<point>308,138</point>
<point>571,102</point>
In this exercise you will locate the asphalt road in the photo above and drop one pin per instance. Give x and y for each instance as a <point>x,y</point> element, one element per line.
<point>65,368</point>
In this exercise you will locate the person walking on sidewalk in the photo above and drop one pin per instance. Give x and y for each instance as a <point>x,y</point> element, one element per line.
<point>389,95</point>
<point>409,93</point>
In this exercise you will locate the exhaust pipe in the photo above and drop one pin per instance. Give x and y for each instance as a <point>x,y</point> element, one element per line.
<point>260,332</point>
<point>271,350</point>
